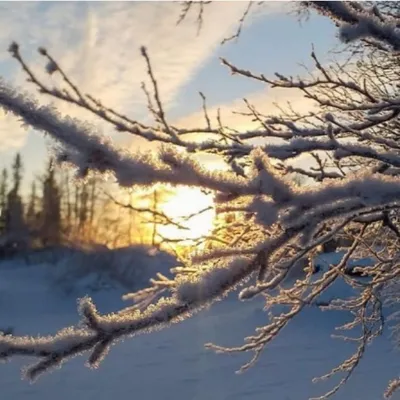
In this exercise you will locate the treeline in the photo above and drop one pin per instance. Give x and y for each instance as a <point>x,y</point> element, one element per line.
<point>60,210</point>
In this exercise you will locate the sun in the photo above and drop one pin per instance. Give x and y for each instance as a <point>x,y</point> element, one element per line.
<point>184,203</point>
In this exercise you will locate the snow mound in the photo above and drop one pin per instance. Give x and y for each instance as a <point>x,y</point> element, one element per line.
<point>129,267</point>
<point>176,356</point>
<point>85,271</point>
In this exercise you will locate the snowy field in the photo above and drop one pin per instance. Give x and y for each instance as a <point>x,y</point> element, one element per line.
<point>172,364</point>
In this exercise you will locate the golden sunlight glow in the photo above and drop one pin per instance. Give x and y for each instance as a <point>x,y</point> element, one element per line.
<point>184,203</point>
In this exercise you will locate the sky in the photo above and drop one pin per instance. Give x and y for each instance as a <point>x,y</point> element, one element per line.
<point>97,44</point>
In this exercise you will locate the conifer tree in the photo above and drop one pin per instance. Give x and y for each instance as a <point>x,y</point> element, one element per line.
<point>51,209</point>
<point>15,224</point>
<point>3,200</point>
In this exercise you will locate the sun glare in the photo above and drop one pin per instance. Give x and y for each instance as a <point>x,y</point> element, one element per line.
<point>187,202</point>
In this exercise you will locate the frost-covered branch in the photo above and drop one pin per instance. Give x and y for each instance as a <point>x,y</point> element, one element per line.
<point>350,147</point>
<point>357,22</point>
<point>190,294</point>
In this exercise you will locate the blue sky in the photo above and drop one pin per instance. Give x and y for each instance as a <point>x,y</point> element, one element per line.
<point>275,43</point>
<point>98,45</point>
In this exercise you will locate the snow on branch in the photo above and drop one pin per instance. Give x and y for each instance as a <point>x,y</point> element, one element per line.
<point>98,332</point>
<point>352,137</point>
<point>357,23</point>
<point>87,151</point>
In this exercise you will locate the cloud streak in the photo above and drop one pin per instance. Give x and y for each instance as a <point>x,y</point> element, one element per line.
<point>264,101</point>
<point>97,44</point>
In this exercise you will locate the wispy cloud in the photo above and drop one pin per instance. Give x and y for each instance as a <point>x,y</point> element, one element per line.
<point>98,45</point>
<point>265,102</point>
<point>11,134</point>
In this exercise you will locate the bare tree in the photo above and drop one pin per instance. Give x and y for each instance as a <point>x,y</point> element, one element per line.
<point>352,138</point>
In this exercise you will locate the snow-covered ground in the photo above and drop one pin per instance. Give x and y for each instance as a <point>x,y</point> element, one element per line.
<point>172,364</point>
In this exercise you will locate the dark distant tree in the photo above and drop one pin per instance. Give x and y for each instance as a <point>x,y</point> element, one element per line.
<point>17,173</point>
<point>15,224</point>
<point>65,191</point>
<point>32,202</point>
<point>51,209</point>
<point>83,206</point>
<point>31,213</point>
<point>3,199</point>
